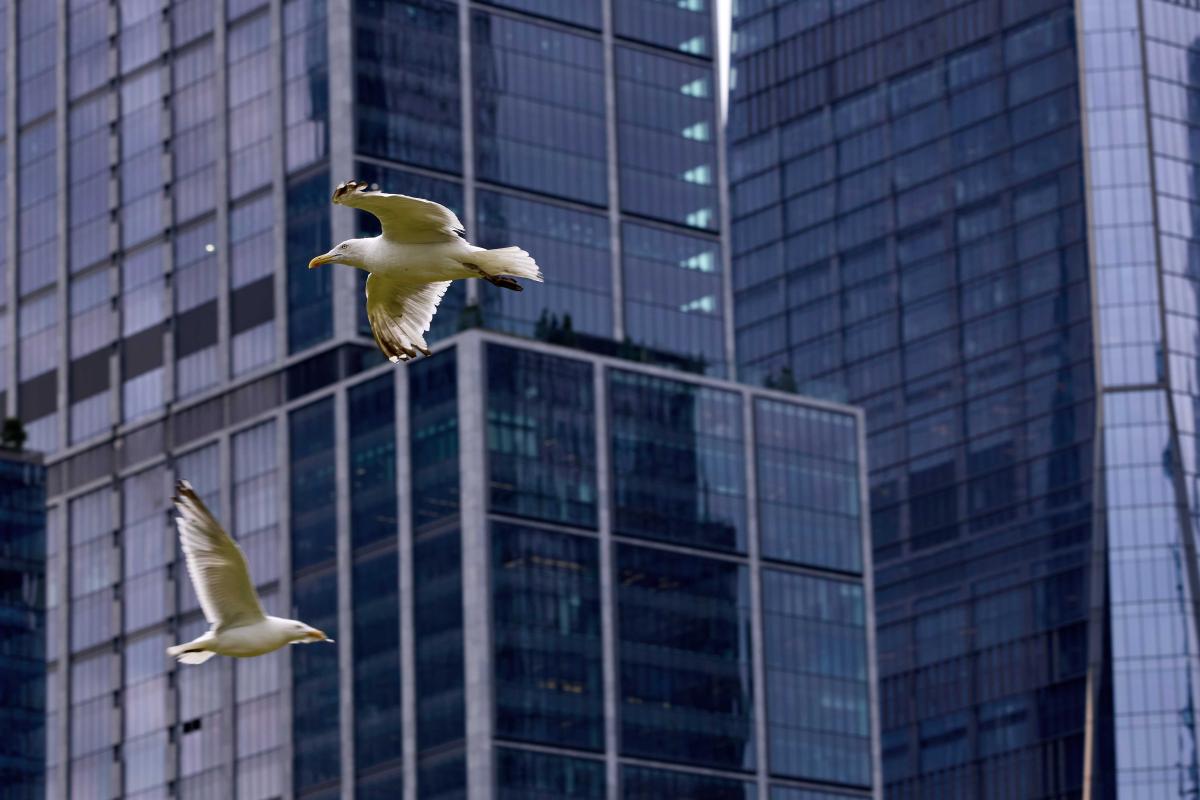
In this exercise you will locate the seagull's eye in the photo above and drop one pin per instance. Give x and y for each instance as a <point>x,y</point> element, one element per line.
<point>343,246</point>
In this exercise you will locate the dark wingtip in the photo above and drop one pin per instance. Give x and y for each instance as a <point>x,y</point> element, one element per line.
<point>183,491</point>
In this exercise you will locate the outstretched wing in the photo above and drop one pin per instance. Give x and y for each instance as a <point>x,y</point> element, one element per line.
<point>410,220</point>
<point>400,312</point>
<point>215,563</point>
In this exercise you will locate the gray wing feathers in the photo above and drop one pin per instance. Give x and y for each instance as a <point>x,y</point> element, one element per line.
<point>400,314</point>
<point>215,563</point>
<point>410,220</point>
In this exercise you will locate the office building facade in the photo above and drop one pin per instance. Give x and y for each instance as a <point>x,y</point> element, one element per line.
<point>23,624</point>
<point>549,574</point>
<point>167,172</point>
<point>975,220</point>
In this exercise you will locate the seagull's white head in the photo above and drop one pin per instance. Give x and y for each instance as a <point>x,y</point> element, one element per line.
<point>299,633</point>
<point>352,253</point>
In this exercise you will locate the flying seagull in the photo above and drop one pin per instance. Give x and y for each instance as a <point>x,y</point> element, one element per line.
<point>422,248</point>
<point>222,582</point>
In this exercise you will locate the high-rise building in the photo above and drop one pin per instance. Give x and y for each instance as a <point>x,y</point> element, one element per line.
<point>525,621</point>
<point>22,625</point>
<point>977,221</point>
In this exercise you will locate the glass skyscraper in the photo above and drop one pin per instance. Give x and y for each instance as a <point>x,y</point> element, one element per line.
<point>22,625</point>
<point>550,573</point>
<point>978,220</point>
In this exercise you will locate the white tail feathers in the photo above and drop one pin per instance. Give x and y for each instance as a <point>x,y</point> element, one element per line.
<point>507,261</point>
<point>189,656</point>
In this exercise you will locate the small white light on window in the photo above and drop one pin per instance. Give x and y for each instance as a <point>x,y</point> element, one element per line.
<point>208,248</point>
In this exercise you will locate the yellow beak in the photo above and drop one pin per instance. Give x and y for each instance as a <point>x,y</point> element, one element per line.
<point>328,258</point>
<point>319,636</point>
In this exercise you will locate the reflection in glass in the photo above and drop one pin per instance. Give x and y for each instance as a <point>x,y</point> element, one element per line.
<point>309,291</point>
<point>818,705</point>
<point>684,627</point>
<point>312,484</point>
<point>527,775</point>
<point>666,138</point>
<point>546,637</point>
<point>406,82</point>
<point>808,486</point>
<point>678,469</point>
<point>315,732</point>
<point>673,295</point>
<point>433,438</point>
<point>539,108</point>
<point>372,423</point>
<point>572,245</point>
<point>541,436</point>
<point>376,659</point>
<point>438,642</point>
<point>644,783</point>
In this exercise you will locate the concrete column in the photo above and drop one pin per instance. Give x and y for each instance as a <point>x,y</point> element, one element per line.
<point>224,356</point>
<point>868,565</point>
<point>10,193</point>
<point>466,100</point>
<point>408,660</point>
<point>62,251</point>
<point>345,282</point>
<point>614,186</point>
<point>279,181</point>
<point>758,659</point>
<point>477,644</point>
<point>608,600</point>
<point>345,634</point>
<point>282,450</point>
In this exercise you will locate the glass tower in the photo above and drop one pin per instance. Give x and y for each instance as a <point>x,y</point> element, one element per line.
<point>977,221</point>
<point>23,625</point>
<point>167,172</point>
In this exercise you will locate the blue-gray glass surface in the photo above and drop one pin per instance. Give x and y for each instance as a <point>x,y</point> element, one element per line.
<point>377,727</point>
<point>442,776</point>
<point>23,628</point>
<point>818,700</point>
<point>306,82</point>
<point>585,13</point>
<point>1148,332</point>
<point>674,297</point>
<point>573,248</point>
<point>438,645</point>
<point>908,236</point>
<point>317,748</point>
<point>539,108</point>
<point>249,98</point>
<point>372,426</point>
<point>808,489</point>
<point>683,26</point>
<point>678,461</point>
<point>645,783</point>
<point>406,82</point>
<point>309,291</point>
<point>541,436</point>
<point>546,637</point>
<point>313,490</point>
<point>684,658</point>
<point>529,775</point>
<point>433,439</point>
<point>796,793</point>
<point>447,320</point>
<point>666,137</point>
<point>379,786</point>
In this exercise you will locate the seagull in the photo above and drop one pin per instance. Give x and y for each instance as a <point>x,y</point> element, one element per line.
<point>222,582</point>
<point>422,248</point>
